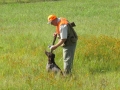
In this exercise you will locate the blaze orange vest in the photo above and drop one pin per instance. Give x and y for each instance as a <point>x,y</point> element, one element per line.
<point>62,21</point>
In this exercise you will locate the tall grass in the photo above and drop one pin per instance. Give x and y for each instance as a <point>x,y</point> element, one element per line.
<point>25,35</point>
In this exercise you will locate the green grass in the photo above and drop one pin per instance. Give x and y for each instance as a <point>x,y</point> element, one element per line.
<point>25,35</point>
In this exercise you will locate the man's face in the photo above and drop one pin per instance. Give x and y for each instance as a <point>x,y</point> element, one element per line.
<point>54,22</point>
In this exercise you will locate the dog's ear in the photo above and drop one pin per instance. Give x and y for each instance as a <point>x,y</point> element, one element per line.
<point>46,52</point>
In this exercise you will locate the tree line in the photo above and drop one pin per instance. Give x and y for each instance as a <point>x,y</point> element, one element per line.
<point>22,1</point>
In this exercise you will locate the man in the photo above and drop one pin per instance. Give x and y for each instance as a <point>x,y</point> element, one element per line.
<point>67,39</point>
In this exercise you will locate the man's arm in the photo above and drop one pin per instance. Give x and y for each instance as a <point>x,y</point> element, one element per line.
<point>60,42</point>
<point>63,37</point>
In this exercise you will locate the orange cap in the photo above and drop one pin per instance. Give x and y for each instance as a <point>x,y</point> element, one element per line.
<point>51,18</point>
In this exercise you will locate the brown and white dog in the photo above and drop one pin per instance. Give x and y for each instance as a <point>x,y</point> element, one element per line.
<point>51,65</point>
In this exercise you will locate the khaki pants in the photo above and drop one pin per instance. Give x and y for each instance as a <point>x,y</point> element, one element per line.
<point>68,56</point>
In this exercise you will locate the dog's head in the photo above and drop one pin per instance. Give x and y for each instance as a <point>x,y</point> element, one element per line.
<point>50,55</point>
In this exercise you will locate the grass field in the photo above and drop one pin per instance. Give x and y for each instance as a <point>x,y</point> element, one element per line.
<point>25,35</point>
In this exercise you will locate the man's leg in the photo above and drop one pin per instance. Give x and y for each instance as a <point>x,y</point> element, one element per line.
<point>68,56</point>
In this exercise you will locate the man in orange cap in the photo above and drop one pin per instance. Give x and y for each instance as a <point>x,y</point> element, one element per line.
<point>67,39</point>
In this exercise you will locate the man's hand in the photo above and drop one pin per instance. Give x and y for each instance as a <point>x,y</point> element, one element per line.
<point>60,42</point>
<point>55,34</point>
<point>52,47</point>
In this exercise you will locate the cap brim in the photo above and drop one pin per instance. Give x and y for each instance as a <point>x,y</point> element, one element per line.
<point>49,22</point>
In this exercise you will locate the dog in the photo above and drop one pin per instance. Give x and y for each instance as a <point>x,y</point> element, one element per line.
<point>51,65</point>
